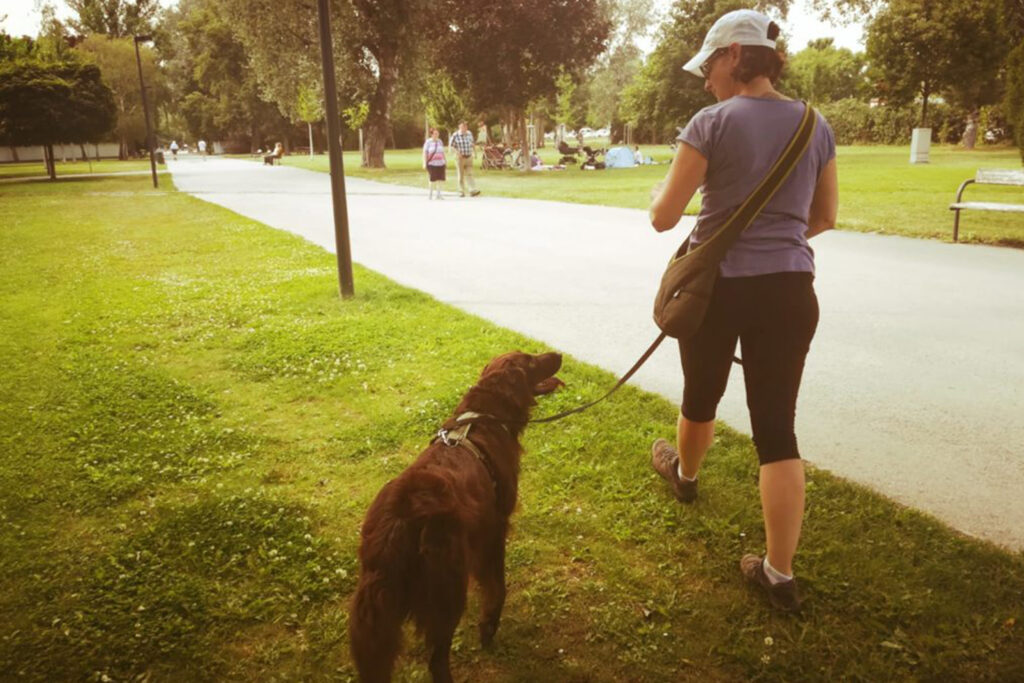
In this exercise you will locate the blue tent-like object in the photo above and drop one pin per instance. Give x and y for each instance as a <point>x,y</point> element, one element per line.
<point>619,157</point>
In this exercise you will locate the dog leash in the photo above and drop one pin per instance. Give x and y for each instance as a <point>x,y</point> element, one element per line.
<point>622,380</point>
<point>625,378</point>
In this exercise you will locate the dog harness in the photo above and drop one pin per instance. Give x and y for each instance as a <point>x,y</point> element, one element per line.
<point>459,436</point>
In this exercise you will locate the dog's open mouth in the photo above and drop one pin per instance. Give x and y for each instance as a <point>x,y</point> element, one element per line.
<point>542,373</point>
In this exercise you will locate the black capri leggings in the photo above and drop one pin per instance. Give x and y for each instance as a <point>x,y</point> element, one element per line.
<point>774,317</point>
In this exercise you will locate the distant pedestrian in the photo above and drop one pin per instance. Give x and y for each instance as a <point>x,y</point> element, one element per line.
<point>202,148</point>
<point>174,148</point>
<point>435,162</point>
<point>464,148</point>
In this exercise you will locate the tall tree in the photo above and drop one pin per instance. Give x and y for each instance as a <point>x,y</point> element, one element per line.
<point>376,42</point>
<point>48,104</point>
<point>620,63</point>
<point>505,55</point>
<point>919,48</point>
<point>1014,100</point>
<point>662,96</point>
<point>821,72</point>
<point>114,18</point>
<point>310,108</point>
<point>444,105</point>
<point>209,75</point>
<point>116,59</point>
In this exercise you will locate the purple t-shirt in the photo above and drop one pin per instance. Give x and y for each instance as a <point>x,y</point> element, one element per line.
<point>742,137</point>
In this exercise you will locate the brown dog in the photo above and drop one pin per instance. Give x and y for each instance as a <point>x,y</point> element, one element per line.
<point>445,518</point>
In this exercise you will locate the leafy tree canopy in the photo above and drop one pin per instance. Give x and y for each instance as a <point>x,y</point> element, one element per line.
<point>115,18</point>
<point>115,58</point>
<point>922,47</point>
<point>209,75</point>
<point>47,104</point>
<point>376,42</point>
<point>822,72</point>
<point>506,54</point>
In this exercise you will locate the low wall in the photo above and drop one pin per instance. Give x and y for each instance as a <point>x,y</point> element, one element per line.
<point>103,150</point>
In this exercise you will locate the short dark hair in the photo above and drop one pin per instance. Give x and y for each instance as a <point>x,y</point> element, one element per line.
<point>760,60</point>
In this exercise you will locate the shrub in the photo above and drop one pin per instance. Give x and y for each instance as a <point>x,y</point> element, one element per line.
<point>857,122</point>
<point>1013,104</point>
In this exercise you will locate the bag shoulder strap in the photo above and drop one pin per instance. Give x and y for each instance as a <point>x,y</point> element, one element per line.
<point>742,217</point>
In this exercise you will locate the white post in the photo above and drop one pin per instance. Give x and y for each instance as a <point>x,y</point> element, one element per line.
<point>920,144</point>
<point>310,125</point>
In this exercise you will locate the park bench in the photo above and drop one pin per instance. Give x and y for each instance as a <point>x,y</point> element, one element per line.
<point>986,176</point>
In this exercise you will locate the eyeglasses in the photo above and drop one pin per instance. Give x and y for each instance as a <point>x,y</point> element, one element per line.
<point>705,68</point>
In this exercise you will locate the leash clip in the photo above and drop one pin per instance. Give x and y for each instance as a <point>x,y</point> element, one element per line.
<point>443,435</point>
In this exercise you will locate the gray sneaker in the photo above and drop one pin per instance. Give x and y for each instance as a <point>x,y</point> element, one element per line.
<point>665,461</point>
<point>783,596</point>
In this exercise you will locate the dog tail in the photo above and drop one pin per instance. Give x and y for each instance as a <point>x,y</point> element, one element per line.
<point>375,626</point>
<point>440,576</point>
<point>407,558</point>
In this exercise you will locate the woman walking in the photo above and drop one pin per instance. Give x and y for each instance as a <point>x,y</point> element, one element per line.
<point>764,297</point>
<point>435,162</point>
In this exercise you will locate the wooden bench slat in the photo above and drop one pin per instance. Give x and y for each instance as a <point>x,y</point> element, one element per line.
<point>999,176</point>
<point>988,206</point>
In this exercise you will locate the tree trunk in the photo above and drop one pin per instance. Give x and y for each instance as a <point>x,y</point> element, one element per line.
<point>51,166</point>
<point>310,126</point>
<point>14,153</point>
<point>524,143</point>
<point>378,119</point>
<point>970,136</point>
<point>924,104</point>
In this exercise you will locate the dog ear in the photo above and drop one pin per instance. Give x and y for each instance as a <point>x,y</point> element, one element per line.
<point>521,382</point>
<point>547,386</point>
<point>505,392</point>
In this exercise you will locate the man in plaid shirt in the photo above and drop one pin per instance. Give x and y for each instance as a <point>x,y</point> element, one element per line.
<point>461,145</point>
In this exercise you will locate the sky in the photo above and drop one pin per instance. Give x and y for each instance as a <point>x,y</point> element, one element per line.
<point>801,26</point>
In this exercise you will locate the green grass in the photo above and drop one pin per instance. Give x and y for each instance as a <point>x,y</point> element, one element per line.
<point>879,191</point>
<point>36,169</point>
<point>192,426</point>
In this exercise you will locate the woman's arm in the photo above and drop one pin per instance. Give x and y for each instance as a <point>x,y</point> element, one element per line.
<point>825,204</point>
<point>684,177</point>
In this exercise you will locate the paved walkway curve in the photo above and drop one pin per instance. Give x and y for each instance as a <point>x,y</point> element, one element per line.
<point>915,381</point>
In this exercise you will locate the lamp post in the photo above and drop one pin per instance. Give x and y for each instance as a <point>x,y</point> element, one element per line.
<point>341,241</point>
<point>145,106</point>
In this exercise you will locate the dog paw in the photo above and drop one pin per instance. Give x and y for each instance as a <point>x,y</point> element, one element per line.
<point>487,631</point>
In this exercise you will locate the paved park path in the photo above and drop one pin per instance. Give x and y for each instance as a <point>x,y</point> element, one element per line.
<point>915,381</point>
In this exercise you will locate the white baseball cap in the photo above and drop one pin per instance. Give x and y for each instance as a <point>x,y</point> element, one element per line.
<point>744,26</point>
